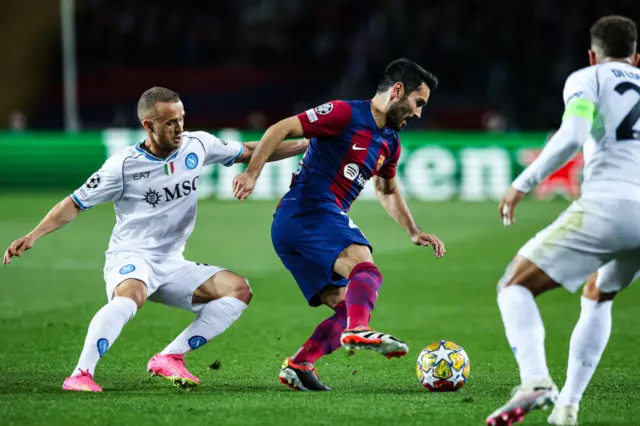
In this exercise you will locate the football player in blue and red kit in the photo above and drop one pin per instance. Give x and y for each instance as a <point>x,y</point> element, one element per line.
<point>329,257</point>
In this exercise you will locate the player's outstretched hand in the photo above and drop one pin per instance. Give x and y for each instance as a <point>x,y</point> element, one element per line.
<point>422,239</point>
<point>243,185</point>
<point>16,248</point>
<point>508,204</point>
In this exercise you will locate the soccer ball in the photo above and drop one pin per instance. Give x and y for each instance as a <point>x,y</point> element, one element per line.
<point>443,367</point>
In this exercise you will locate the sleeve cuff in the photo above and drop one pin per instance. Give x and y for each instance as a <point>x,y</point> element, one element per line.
<point>79,203</point>
<point>233,160</point>
<point>522,185</point>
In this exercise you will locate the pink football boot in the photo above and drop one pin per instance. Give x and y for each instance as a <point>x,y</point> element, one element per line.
<point>172,367</point>
<point>81,382</point>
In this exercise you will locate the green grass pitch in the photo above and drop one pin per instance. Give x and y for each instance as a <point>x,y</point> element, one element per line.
<point>48,297</point>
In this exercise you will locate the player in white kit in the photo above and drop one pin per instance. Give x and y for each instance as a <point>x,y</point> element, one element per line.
<point>598,232</point>
<point>153,188</point>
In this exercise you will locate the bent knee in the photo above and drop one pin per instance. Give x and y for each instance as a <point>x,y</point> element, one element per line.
<point>242,290</point>
<point>237,287</point>
<point>592,292</point>
<point>350,257</point>
<point>333,296</point>
<point>521,271</point>
<point>133,289</point>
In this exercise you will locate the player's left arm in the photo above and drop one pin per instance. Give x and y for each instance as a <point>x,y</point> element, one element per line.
<point>394,203</point>
<point>580,96</point>
<point>284,150</point>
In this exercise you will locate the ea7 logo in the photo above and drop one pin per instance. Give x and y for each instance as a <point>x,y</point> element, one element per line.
<point>142,175</point>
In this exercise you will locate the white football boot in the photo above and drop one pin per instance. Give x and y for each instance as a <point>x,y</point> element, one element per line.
<point>525,398</point>
<point>566,415</point>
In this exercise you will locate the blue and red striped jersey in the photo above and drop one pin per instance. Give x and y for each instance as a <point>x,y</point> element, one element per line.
<point>346,149</point>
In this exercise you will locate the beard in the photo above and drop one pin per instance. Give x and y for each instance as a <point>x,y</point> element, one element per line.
<point>397,114</point>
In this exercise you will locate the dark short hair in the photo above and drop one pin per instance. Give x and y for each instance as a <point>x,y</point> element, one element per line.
<point>153,96</point>
<point>615,35</point>
<point>407,72</point>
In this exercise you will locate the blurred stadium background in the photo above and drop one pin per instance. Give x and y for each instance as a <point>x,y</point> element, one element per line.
<point>71,76</point>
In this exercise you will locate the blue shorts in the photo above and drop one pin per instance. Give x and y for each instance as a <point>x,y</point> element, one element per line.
<point>308,242</point>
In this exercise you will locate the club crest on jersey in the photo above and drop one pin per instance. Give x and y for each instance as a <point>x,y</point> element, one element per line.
<point>127,269</point>
<point>152,197</point>
<point>324,109</point>
<point>191,161</point>
<point>93,181</point>
<point>351,171</point>
<point>380,162</point>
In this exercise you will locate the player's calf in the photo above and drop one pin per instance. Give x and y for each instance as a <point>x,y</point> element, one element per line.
<point>356,264</point>
<point>219,302</point>
<point>104,329</point>
<point>325,338</point>
<point>588,340</point>
<point>365,280</point>
<point>523,324</point>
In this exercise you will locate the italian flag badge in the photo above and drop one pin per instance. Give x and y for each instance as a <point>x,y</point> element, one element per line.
<point>169,168</point>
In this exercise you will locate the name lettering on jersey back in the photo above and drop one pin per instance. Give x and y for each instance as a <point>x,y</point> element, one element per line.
<point>626,74</point>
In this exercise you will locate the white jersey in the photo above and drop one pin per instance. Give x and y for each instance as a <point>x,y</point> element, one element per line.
<point>612,154</point>
<point>155,199</point>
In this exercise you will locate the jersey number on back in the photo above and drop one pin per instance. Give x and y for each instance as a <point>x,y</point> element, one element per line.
<point>625,129</point>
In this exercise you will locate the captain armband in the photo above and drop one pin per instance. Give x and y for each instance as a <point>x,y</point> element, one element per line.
<point>580,107</point>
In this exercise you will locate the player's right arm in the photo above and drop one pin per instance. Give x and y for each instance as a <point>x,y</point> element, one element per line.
<point>61,214</point>
<point>580,97</point>
<point>103,186</point>
<point>325,120</point>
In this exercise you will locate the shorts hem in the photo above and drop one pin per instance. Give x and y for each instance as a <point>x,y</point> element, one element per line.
<point>570,288</point>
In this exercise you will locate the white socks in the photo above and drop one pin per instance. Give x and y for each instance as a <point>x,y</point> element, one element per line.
<point>525,332</point>
<point>214,318</point>
<point>104,329</point>
<point>588,341</point>
<point>106,325</point>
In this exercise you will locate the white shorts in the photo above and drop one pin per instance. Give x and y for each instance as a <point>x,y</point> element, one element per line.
<point>586,236</point>
<point>620,273</point>
<point>170,281</point>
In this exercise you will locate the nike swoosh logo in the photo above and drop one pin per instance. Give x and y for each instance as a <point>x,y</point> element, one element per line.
<point>357,148</point>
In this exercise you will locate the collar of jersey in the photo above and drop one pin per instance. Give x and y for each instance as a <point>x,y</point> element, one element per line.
<point>386,130</point>
<point>153,157</point>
